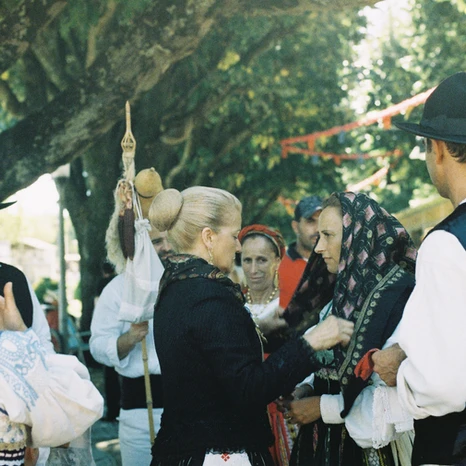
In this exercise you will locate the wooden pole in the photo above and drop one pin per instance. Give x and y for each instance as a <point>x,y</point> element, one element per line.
<point>128,144</point>
<point>149,401</point>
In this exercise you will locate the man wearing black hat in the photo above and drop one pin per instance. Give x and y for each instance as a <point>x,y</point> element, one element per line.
<point>26,299</point>
<point>429,365</point>
<point>305,225</point>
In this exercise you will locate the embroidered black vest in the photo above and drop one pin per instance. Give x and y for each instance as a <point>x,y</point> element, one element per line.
<point>8,273</point>
<point>442,440</point>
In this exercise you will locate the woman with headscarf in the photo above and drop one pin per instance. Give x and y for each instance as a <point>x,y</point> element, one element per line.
<point>361,269</point>
<point>216,385</point>
<point>262,249</point>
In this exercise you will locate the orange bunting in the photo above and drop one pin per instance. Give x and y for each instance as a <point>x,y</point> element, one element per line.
<point>387,123</point>
<point>406,106</point>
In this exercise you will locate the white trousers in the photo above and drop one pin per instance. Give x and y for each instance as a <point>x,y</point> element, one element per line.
<point>135,447</point>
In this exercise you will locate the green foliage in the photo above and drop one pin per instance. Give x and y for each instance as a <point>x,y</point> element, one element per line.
<point>253,82</point>
<point>45,286</point>
<point>420,46</point>
<point>79,16</point>
<point>77,294</point>
<point>128,10</point>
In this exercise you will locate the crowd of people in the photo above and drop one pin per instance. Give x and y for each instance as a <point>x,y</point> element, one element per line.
<point>342,349</point>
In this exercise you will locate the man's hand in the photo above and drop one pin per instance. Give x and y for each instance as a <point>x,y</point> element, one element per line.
<point>329,333</point>
<point>31,456</point>
<point>128,340</point>
<point>10,318</point>
<point>386,363</point>
<point>303,411</point>
<point>138,332</point>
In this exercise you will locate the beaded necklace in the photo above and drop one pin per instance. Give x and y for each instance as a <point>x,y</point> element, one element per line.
<point>270,298</point>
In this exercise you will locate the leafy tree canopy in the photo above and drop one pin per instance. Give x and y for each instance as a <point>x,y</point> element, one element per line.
<point>214,85</point>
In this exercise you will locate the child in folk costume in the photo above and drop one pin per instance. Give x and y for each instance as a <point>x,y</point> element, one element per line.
<point>46,399</point>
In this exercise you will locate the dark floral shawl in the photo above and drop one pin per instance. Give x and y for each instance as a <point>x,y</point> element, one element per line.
<point>376,269</point>
<point>184,266</point>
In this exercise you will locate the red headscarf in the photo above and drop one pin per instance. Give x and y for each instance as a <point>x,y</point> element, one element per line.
<point>270,233</point>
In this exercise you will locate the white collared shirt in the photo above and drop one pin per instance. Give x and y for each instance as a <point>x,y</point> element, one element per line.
<point>432,380</point>
<point>106,328</point>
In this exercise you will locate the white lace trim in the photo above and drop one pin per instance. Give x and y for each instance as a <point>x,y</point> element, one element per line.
<point>389,419</point>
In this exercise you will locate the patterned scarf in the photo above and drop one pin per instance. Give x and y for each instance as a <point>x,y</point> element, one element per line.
<point>376,253</point>
<point>184,266</point>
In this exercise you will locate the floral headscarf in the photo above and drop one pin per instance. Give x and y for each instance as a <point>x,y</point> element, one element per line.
<point>270,233</point>
<point>377,256</point>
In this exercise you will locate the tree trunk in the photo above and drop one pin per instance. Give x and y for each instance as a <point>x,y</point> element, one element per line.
<point>90,204</point>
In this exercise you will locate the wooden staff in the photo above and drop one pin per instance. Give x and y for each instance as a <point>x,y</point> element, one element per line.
<point>128,144</point>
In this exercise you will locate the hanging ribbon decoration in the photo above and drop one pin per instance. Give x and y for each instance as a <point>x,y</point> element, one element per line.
<point>289,145</point>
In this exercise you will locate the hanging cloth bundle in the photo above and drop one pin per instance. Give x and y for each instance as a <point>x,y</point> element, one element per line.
<point>142,274</point>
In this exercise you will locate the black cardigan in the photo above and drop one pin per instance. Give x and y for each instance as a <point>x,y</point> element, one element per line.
<point>215,385</point>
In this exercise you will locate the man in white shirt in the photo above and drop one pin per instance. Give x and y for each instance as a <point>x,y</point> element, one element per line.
<point>428,366</point>
<point>117,344</point>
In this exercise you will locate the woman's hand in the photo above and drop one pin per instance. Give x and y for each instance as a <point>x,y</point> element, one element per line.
<point>10,318</point>
<point>272,322</point>
<point>303,411</point>
<point>301,391</point>
<point>329,333</point>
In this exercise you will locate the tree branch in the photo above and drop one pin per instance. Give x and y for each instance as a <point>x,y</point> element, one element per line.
<point>98,30</point>
<point>135,58</point>
<point>272,198</point>
<point>20,27</point>
<point>292,7</point>
<point>183,161</point>
<point>10,102</point>
<point>49,49</point>
<point>67,126</point>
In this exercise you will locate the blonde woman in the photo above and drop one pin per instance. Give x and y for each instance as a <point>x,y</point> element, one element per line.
<point>216,385</point>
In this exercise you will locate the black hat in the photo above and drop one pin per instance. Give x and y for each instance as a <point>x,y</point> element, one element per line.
<point>307,207</point>
<point>444,115</point>
<point>3,205</point>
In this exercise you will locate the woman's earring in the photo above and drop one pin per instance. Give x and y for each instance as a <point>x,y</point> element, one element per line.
<point>211,256</point>
<point>275,280</point>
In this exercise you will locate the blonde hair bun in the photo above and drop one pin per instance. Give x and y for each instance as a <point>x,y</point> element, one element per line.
<point>165,209</point>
